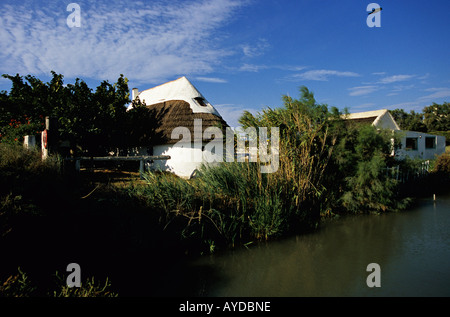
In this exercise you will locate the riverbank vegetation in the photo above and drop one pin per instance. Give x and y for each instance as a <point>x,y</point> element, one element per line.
<point>326,167</point>
<point>119,230</point>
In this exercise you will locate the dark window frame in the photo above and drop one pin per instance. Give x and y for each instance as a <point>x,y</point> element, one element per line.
<point>433,145</point>
<point>412,146</point>
<point>200,101</point>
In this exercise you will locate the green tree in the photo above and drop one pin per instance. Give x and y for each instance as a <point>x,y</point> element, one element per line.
<point>437,117</point>
<point>411,121</point>
<point>363,154</point>
<point>90,121</point>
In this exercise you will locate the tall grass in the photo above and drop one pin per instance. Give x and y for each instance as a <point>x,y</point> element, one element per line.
<point>22,171</point>
<point>226,204</point>
<point>251,199</point>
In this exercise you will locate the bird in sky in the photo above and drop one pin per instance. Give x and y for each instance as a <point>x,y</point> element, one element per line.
<point>375,10</point>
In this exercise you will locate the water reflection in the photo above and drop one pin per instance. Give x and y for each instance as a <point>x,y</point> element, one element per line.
<point>412,248</point>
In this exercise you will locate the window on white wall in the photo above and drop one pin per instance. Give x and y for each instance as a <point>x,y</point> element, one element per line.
<point>411,144</point>
<point>430,142</point>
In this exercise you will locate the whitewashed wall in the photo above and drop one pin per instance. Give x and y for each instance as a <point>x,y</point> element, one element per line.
<point>386,121</point>
<point>422,152</point>
<point>184,158</point>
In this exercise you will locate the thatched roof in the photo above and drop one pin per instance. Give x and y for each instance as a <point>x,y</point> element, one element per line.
<point>168,115</point>
<point>174,104</point>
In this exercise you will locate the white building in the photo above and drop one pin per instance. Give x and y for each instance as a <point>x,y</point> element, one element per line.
<point>420,145</point>
<point>178,108</point>
<point>413,144</point>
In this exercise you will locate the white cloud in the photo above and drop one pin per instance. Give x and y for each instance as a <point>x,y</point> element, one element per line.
<point>256,49</point>
<point>252,68</point>
<point>403,87</point>
<point>256,68</point>
<point>400,88</point>
<point>323,74</point>
<point>146,42</point>
<point>395,78</point>
<point>362,90</point>
<point>365,106</point>
<point>437,93</point>
<point>212,80</point>
<point>427,75</point>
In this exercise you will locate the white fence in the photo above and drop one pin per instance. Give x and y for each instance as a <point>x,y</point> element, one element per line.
<point>404,175</point>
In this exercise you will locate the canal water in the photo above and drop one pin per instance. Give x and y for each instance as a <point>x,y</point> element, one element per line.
<point>411,247</point>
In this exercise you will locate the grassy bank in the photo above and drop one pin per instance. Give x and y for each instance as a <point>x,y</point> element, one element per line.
<point>226,205</point>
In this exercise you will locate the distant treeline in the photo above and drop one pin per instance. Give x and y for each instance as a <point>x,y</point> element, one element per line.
<point>433,119</point>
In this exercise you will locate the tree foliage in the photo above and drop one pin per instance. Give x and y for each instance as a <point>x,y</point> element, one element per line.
<point>435,117</point>
<point>411,121</point>
<point>329,164</point>
<point>362,156</point>
<point>90,120</point>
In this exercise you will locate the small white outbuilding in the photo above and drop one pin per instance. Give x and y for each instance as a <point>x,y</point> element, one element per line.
<point>413,144</point>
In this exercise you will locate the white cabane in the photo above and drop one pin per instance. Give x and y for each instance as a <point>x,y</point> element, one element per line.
<point>413,144</point>
<point>178,104</point>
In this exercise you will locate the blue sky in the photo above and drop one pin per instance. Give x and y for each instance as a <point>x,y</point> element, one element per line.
<point>241,54</point>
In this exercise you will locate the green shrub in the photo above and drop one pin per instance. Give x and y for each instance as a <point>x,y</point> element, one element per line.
<point>360,182</point>
<point>369,189</point>
<point>442,164</point>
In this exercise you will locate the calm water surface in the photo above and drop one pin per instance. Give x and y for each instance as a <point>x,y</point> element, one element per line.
<point>411,247</point>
